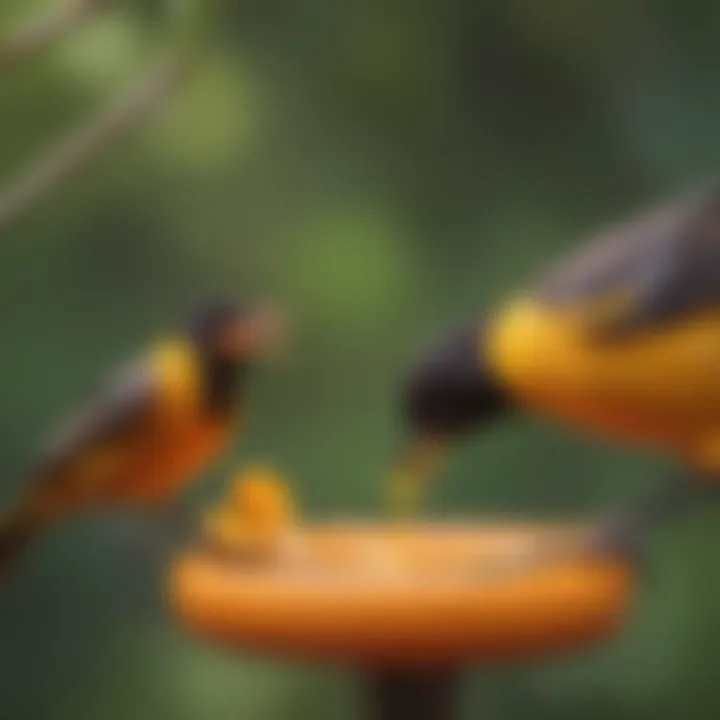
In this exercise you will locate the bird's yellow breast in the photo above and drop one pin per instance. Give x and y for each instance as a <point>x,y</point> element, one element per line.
<point>660,388</point>
<point>182,436</point>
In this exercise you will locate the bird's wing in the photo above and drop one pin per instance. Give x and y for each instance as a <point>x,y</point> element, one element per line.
<point>117,408</point>
<point>657,268</point>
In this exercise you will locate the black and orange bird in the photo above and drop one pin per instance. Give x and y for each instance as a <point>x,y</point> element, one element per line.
<point>620,340</point>
<point>151,428</point>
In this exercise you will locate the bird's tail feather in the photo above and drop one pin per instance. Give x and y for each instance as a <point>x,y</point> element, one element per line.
<point>17,530</point>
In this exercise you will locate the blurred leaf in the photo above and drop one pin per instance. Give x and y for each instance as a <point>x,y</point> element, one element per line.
<point>216,117</point>
<point>347,263</point>
<point>106,52</point>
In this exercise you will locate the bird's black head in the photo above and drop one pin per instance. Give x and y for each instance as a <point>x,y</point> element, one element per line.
<point>230,337</point>
<point>235,332</point>
<point>452,391</point>
<point>448,393</point>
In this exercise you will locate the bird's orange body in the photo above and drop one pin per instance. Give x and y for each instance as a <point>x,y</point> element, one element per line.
<point>167,461</point>
<point>151,461</point>
<point>659,388</point>
<point>180,438</point>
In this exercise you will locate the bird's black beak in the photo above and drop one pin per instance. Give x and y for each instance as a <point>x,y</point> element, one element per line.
<point>258,334</point>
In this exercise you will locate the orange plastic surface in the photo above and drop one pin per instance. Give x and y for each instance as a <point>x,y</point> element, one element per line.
<point>425,595</point>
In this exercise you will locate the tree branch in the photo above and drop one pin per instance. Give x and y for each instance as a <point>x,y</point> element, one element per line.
<point>43,30</point>
<point>82,145</point>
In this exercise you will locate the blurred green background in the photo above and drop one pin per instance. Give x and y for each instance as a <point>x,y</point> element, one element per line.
<point>385,168</point>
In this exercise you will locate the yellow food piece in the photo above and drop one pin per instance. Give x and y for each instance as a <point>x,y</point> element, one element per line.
<point>261,498</point>
<point>404,494</point>
<point>258,510</point>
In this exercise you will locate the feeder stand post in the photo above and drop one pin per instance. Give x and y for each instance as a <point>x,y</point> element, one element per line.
<point>428,694</point>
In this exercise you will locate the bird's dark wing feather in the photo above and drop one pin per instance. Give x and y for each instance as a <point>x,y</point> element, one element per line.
<point>120,405</point>
<point>666,262</point>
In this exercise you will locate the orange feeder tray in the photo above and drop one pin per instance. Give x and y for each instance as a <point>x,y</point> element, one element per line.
<point>410,604</point>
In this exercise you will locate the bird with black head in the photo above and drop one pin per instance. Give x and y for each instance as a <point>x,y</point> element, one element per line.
<point>153,426</point>
<point>620,340</point>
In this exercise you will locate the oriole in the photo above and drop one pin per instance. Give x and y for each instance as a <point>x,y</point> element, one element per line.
<point>621,339</point>
<point>151,428</point>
